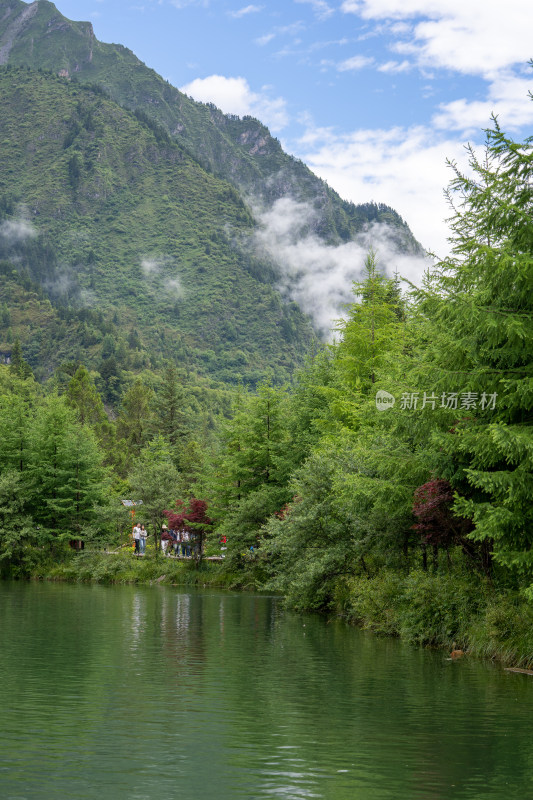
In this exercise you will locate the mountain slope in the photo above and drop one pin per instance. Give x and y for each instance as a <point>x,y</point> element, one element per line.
<point>241,151</point>
<point>100,212</point>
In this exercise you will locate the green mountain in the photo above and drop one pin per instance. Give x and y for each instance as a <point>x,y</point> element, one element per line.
<point>241,151</point>
<point>126,234</point>
<point>103,217</point>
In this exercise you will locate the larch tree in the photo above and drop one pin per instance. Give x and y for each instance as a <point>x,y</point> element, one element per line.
<point>481,302</point>
<point>66,478</point>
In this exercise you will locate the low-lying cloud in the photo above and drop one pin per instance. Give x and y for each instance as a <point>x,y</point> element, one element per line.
<point>173,287</point>
<point>152,265</point>
<point>319,276</point>
<point>17,230</point>
<point>157,268</point>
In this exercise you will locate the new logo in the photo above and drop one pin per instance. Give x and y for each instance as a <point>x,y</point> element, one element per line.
<point>384,400</point>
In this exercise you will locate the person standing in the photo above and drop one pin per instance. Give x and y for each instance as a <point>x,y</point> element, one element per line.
<point>165,539</point>
<point>136,539</point>
<point>142,540</point>
<point>176,537</point>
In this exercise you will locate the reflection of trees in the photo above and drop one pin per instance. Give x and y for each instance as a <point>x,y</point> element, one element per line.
<point>182,622</point>
<point>324,697</point>
<point>273,703</point>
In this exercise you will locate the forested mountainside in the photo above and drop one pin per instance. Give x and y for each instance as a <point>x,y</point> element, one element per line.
<point>241,151</point>
<point>118,248</point>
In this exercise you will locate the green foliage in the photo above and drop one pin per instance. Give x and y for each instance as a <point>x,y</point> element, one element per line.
<point>82,396</point>
<point>370,338</point>
<point>481,305</point>
<point>240,151</point>
<point>170,398</point>
<point>135,418</point>
<point>114,268</point>
<point>66,478</point>
<point>91,566</point>
<point>18,536</point>
<point>52,481</point>
<point>156,481</point>
<point>18,365</point>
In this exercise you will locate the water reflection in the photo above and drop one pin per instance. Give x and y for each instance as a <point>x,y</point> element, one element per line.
<point>155,693</point>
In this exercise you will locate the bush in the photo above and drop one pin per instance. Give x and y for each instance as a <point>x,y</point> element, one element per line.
<point>437,609</point>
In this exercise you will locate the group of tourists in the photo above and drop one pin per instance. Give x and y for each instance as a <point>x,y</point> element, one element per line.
<point>173,540</point>
<point>183,543</point>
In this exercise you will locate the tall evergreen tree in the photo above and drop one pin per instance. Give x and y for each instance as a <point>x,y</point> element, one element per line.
<point>19,366</point>
<point>156,481</point>
<point>482,302</point>
<point>135,418</point>
<point>15,420</point>
<point>371,335</point>
<point>83,396</point>
<point>17,531</point>
<point>67,481</point>
<point>172,420</point>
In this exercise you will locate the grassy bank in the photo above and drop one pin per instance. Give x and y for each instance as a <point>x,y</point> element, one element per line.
<point>123,567</point>
<point>439,610</point>
<point>422,608</point>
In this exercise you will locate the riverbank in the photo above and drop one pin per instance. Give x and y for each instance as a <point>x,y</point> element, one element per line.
<point>452,612</point>
<point>125,568</point>
<point>446,611</point>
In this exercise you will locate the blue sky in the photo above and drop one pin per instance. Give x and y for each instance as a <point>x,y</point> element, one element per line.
<point>373,95</point>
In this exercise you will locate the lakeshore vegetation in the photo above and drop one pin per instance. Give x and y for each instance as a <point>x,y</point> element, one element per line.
<point>411,517</point>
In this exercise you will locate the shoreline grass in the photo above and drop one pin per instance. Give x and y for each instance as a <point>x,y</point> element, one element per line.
<point>421,608</point>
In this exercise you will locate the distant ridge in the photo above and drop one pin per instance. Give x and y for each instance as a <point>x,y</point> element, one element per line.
<point>117,247</point>
<point>241,151</point>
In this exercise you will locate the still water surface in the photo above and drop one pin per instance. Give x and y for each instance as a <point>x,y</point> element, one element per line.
<point>156,693</point>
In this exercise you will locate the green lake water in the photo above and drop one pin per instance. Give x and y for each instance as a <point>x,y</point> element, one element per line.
<point>155,692</point>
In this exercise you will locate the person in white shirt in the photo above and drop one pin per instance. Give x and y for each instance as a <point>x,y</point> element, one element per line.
<point>136,539</point>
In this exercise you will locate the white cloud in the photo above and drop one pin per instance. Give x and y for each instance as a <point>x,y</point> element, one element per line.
<point>395,66</point>
<point>152,265</point>
<point>474,37</point>
<point>179,4</point>
<point>243,12</point>
<point>507,98</point>
<point>354,63</point>
<point>405,168</point>
<point>262,40</point>
<point>319,276</point>
<point>320,7</point>
<point>234,96</point>
<point>173,287</point>
<point>17,230</point>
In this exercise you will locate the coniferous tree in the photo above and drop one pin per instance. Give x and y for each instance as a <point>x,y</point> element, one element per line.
<point>482,303</point>
<point>15,421</point>
<point>172,421</point>
<point>66,478</point>
<point>254,466</point>
<point>156,481</point>
<point>83,396</point>
<point>17,531</point>
<point>135,418</point>
<point>370,336</point>
<point>19,366</point>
